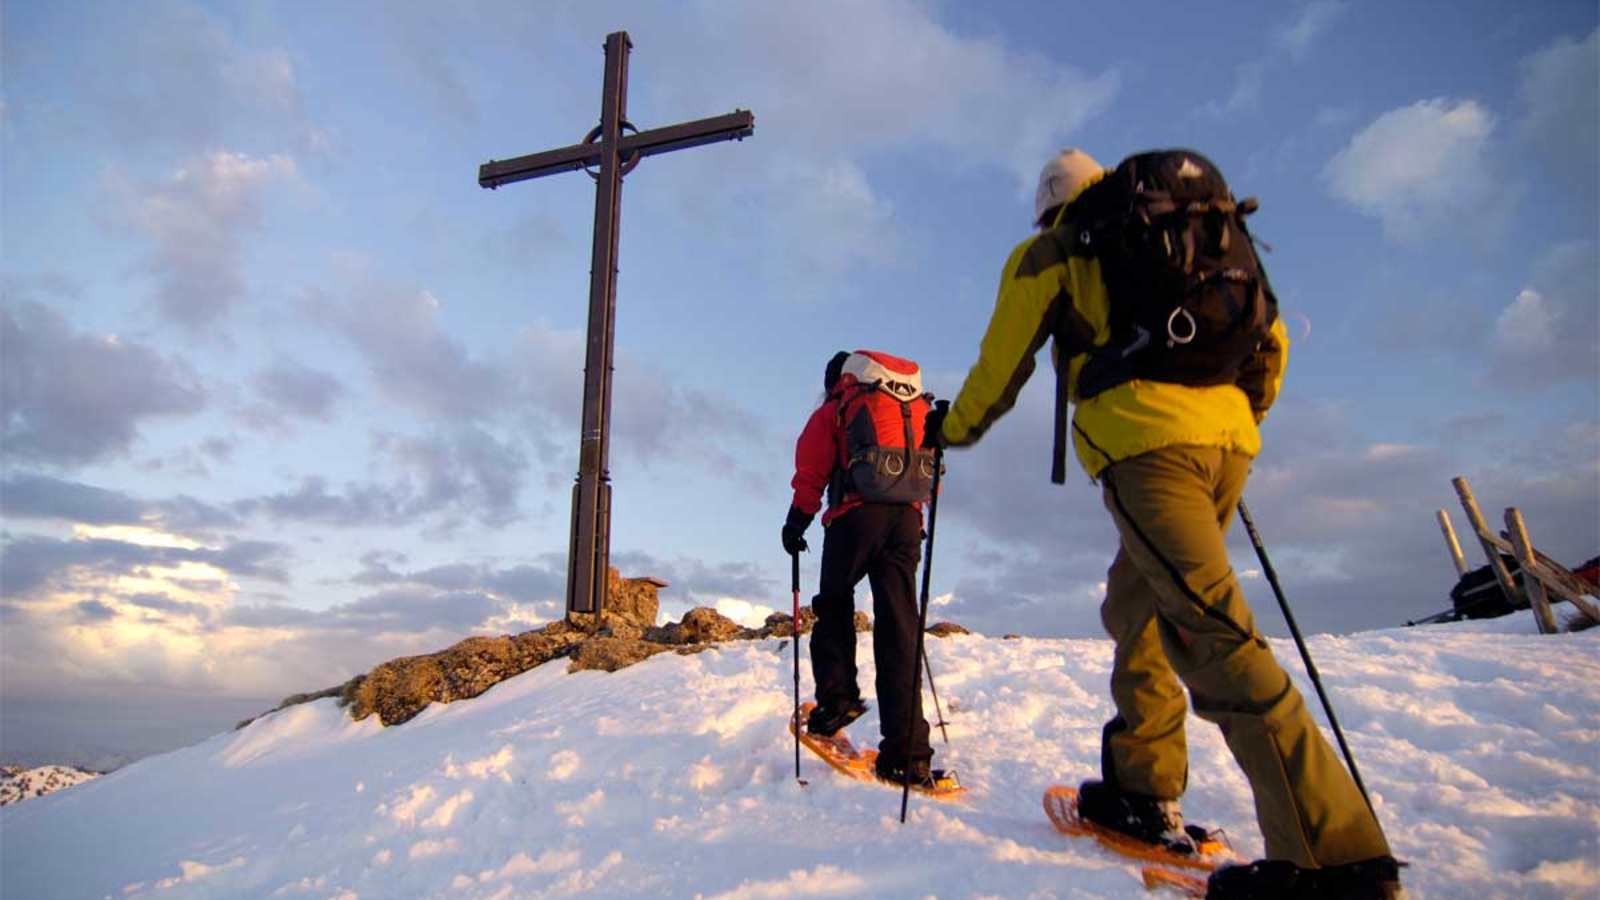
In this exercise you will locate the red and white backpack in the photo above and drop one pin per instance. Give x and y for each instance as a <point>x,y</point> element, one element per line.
<point>882,409</point>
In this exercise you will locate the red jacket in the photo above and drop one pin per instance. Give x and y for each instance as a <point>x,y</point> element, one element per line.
<point>817,455</point>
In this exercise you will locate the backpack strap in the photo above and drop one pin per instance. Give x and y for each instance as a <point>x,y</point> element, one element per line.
<point>1058,452</point>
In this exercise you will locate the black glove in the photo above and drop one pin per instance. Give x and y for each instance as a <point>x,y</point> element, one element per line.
<point>933,426</point>
<point>794,529</point>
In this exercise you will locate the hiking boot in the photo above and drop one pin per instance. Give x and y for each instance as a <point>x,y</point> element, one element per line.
<point>1370,879</point>
<point>922,775</point>
<point>826,721</point>
<point>1142,818</point>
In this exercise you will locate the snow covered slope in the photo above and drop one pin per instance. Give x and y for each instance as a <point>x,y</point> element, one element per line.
<point>17,783</point>
<point>675,778</point>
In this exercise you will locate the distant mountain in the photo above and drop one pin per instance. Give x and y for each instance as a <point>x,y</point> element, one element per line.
<point>18,783</point>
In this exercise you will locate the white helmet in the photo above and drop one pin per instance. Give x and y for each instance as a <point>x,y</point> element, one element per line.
<point>1062,178</point>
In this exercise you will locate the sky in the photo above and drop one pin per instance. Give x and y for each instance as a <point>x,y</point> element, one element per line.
<point>678,780</point>
<point>286,394</point>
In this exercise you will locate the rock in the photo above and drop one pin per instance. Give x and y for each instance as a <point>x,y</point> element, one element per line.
<point>608,654</point>
<point>945,629</point>
<point>780,624</point>
<point>1011,637</point>
<point>704,625</point>
<point>399,689</point>
<point>629,600</point>
<point>863,622</point>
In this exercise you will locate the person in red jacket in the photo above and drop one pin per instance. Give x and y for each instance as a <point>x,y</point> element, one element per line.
<point>881,542</point>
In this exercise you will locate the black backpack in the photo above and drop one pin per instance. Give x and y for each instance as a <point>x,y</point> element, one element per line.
<point>1190,301</point>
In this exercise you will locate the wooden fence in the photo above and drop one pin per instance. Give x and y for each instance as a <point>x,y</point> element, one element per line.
<point>1544,581</point>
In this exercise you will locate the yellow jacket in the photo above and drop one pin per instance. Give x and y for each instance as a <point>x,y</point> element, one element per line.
<point>1046,292</point>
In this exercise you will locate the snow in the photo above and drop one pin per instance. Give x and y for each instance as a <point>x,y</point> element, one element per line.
<point>675,777</point>
<point>18,784</point>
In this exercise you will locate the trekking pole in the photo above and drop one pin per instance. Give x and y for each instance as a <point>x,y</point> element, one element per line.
<point>937,709</point>
<point>922,623</point>
<point>1311,667</point>
<point>794,559</point>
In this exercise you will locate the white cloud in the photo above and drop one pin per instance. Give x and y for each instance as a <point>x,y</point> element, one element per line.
<point>836,83</point>
<point>744,612</point>
<point>196,221</point>
<point>1297,37</point>
<point>1561,92</point>
<point>1293,40</point>
<point>1527,325</point>
<point>1546,335</point>
<point>1420,168</point>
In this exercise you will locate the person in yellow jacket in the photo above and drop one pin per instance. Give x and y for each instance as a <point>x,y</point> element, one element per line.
<point>1172,460</point>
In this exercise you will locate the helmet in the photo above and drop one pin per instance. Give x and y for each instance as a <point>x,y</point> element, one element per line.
<point>1067,173</point>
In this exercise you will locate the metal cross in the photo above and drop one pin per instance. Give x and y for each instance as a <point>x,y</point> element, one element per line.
<point>615,154</point>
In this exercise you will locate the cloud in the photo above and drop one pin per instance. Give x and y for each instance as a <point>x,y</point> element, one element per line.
<point>1546,335</point>
<point>170,76</point>
<point>468,469</point>
<point>696,582</point>
<point>450,476</point>
<point>113,388</point>
<point>154,612</point>
<point>1420,169</point>
<point>535,380</point>
<point>1293,40</point>
<point>1528,324</point>
<point>832,106</point>
<point>1314,20</point>
<point>196,222</point>
<point>28,496</point>
<point>1246,94</point>
<point>1560,91</point>
<point>292,389</point>
<point>30,564</point>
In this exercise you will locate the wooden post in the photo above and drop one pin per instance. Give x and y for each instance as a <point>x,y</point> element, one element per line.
<point>1453,545</point>
<point>1485,538</point>
<point>1523,547</point>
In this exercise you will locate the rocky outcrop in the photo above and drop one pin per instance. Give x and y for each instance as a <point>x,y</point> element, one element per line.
<point>608,654</point>
<point>401,688</point>
<point>18,783</point>
<point>945,629</point>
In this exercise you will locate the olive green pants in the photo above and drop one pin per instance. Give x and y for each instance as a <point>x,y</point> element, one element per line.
<point>1179,619</point>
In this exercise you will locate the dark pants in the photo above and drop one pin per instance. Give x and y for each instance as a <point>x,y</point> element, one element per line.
<point>884,543</point>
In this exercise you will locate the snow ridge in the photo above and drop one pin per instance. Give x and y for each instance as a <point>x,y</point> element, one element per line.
<point>675,777</point>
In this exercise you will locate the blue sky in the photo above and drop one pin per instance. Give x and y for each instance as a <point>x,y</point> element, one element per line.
<point>286,394</point>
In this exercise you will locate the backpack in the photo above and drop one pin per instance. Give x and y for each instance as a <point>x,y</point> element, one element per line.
<point>882,409</point>
<point>1189,298</point>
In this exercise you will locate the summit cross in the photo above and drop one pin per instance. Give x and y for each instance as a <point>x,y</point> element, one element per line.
<point>614,155</point>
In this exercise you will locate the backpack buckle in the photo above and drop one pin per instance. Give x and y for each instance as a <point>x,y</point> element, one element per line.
<point>1173,338</point>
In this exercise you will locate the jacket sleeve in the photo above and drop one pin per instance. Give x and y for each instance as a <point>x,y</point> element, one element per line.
<point>815,455</point>
<point>1262,375</point>
<point>1031,286</point>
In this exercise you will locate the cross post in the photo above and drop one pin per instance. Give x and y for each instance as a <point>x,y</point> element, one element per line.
<point>614,155</point>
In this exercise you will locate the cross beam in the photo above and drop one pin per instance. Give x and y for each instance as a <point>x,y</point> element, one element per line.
<point>735,126</point>
<point>614,155</point>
